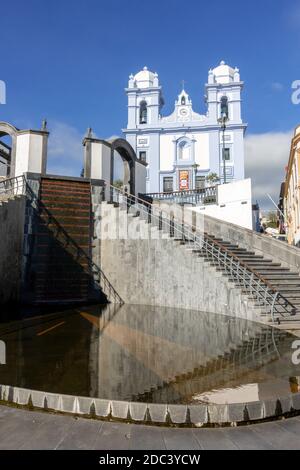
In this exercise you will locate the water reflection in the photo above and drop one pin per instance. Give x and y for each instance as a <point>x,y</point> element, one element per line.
<point>146,353</point>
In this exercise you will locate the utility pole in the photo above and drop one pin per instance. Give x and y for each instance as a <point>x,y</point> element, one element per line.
<point>222,120</point>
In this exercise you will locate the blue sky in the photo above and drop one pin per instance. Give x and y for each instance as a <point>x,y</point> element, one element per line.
<point>69,61</point>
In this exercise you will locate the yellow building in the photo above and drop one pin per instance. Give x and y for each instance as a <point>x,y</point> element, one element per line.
<point>292,192</point>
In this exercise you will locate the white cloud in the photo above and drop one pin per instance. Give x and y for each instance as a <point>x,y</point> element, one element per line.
<point>65,150</point>
<point>277,86</point>
<point>266,156</point>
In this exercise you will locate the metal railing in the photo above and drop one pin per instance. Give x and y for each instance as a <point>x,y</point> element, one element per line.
<point>201,196</point>
<point>253,284</point>
<point>15,186</point>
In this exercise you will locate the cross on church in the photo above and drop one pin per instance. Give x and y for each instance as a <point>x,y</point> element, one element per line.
<point>183,83</point>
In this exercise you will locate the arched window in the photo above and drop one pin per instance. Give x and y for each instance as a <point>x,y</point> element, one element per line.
<point>143,112</point>
<point>224,106</point>
<point>183,100</point>
<point>184,150</point>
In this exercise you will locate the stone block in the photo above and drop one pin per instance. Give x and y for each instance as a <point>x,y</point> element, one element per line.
<point>236,412</point>
<point>296,401</point>
<point>85,404</point>
<point>38,398</point>
<point>120,409</point>
<point>270,408</point>
<point>255,410</point>
<point>53,401</point>
<point>158,413</point>
<point>138,411</point>
<point>286,403</point>
<point>218,414</point>
<point>198,414</point>
<point>23,396</point>
<point>68,404</point>
<point>102,407</point>
<point>178,413</point>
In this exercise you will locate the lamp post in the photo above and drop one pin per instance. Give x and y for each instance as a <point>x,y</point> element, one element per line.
<point>222,121</point>
<point>195,166</point>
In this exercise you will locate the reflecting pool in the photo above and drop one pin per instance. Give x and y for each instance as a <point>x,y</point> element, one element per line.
<point>151,354</point>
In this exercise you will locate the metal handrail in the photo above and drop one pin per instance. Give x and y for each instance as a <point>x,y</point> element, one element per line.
<point>14,186</point>
<point>259,287</point>
<point>193,196</point>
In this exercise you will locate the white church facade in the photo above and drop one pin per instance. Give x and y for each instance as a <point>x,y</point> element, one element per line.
<point>182,149</point>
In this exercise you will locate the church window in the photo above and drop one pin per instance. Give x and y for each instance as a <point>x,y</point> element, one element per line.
<point>224,106</point>
<point>143,156</point>
<point>184,150</point>
<point>200,182</point>
<point>143,112</point>
<point>226,154</point>
<point>183,100</point>
<point>168,184</point>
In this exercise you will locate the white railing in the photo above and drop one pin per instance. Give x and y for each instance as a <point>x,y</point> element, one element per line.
<point>12,186</point>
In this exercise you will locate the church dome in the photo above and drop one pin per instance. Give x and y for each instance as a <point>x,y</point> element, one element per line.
<point>145,78</point>
<point>223,73</point>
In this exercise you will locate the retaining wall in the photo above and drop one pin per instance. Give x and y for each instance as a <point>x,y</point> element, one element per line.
<point>147,267</point>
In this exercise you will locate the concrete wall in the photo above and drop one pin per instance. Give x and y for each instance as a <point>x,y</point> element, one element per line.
<point>147,269</point>
<point>12,217</point>
<point>234,204</point>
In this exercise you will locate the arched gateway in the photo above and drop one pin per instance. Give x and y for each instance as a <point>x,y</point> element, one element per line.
<point>8,152</point>
<point>99,162</point>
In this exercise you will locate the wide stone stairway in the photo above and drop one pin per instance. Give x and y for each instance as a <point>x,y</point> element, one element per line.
<point>271,289</point>
<point>284,280</point>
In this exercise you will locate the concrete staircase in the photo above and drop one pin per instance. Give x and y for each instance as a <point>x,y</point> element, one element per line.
<point>59,271</point>
<point>284,280</point>
<point>279,278</point>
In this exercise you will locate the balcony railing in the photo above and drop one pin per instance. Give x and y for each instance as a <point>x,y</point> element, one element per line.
<point>201,196</point>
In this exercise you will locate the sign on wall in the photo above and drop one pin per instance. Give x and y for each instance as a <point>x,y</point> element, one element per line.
<point>184,182</point>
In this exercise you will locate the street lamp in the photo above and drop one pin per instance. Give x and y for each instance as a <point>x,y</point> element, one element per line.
<point>222,121</point>
<point>195,166</point>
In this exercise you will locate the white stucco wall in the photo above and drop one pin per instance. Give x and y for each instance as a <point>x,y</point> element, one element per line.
<point>22,154</point>
<point>202,150</point>
<point>234,204</point>
<point>29,153</point>
<point>166,151</point>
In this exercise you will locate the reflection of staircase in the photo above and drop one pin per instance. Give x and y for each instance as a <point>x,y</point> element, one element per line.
<point>58,273</point>
<point>226,370</point>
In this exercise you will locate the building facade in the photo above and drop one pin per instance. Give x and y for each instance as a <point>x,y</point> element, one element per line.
<point>182,149</point>
<point>292,192</point>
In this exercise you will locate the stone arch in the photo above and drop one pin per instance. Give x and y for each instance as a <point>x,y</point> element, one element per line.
<point>129,158</point>
<point>12,131</point>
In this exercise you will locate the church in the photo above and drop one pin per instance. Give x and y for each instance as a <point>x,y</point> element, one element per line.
<point>182,149</point>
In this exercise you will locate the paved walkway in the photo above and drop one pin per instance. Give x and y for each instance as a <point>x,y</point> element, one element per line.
<point>22,429</point>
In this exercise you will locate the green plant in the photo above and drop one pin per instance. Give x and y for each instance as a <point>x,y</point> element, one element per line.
<point>118,184</point>
<point>212,178</point>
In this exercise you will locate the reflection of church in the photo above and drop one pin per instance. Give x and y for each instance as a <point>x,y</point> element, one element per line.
<point>183,148</point>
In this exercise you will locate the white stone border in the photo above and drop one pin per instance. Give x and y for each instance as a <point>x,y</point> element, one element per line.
<point>193,415</point>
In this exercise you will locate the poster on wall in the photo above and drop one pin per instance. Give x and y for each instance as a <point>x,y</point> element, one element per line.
<point>183,180</point>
